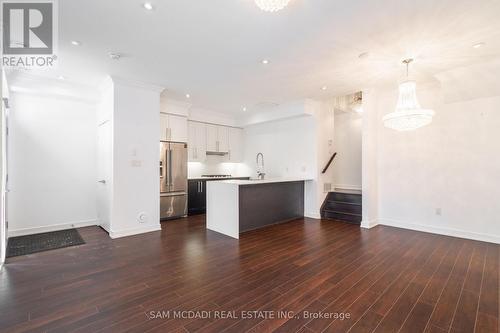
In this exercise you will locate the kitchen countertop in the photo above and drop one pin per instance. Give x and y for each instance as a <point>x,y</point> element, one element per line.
<point>264,181</point>
<point>218,179</point>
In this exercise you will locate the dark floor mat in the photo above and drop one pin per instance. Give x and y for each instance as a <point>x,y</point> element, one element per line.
<point>22,245</point>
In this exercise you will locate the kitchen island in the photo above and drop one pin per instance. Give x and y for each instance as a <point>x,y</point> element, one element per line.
<point>236,206</point>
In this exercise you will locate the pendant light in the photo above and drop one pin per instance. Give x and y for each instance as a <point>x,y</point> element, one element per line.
<point>271,5</point>
<point>408,115</point>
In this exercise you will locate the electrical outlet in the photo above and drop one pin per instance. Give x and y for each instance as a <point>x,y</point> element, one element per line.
<point>438,211</point>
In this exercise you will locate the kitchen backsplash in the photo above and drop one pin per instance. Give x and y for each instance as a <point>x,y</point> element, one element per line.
<point>214,166</point>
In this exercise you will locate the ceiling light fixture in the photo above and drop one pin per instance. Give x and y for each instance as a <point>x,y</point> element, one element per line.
<point>148,6</point>
<point>324,88</point>
<point>478,45</point>
<point>265,61</point>
<point>61,77</point>
<point>271,5</point>
<point>75,43</point>
<point>244,108</point>
<point>357,102</point>
<point>408,115</point>
<point>188,96</point>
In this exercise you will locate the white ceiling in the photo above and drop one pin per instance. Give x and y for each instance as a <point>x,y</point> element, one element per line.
<point>212,49</point>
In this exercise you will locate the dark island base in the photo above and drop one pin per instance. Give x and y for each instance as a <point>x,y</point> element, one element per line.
<point>267,204</point>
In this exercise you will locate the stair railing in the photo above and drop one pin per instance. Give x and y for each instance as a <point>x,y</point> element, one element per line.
<point>329,162</point>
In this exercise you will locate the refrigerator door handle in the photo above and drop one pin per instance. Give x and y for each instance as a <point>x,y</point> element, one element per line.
<point>169,168</point>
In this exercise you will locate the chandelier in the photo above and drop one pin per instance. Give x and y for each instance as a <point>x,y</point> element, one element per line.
<point>271,5</point>
<point>408,115</point>
<point>357,102</point>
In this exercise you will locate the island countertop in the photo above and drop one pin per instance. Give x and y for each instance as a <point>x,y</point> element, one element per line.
<point>236,206</point>
<point>262,181</point>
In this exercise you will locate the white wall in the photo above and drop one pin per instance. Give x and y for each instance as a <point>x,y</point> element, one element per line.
<point>288,146</point>
<point>136,121</point>
<point>52,167</point>
<point>451,165</point>
<point>347,144</point>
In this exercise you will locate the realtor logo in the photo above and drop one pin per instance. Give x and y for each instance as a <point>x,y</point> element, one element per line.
<point>29,33</point>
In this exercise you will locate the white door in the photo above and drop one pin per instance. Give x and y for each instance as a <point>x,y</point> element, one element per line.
<point>104,163</point>
<point>4,186</point>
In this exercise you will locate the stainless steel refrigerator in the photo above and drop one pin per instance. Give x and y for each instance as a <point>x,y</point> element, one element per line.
<point>173,179</point>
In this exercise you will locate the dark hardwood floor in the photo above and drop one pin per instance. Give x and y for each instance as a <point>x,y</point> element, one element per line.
<point>385,279</point>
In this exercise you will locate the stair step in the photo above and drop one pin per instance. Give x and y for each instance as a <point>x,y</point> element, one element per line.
<point>343,207</point>
<point>345,197</point>
<point>351,218</point>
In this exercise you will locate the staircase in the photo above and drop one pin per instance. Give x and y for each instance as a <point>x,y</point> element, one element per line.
<point>342,205</point>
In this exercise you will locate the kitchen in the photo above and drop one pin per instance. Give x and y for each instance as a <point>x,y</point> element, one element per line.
<point>197,154</point>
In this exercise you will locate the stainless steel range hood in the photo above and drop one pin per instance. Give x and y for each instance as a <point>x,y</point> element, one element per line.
<point>216,153</point>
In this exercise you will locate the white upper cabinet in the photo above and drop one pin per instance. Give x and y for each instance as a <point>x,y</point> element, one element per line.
<point>235,145</point>
<point>217,138</point>
<point>173,128</point>
<point>197,142</point>
<point>212,137</point>
<point>223,139</point>
<point>164,131</point>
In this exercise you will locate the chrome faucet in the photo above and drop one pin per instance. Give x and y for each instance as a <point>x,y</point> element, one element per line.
<point>260,170</point>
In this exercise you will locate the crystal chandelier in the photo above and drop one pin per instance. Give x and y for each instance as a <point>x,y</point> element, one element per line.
<point>271,5</point>
<point>357,102</point>
<point>408,115</point>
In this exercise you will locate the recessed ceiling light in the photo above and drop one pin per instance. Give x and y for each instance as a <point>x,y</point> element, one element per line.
<point>324,88</point>
<point>76,43</point>
<point>188,96</point>
<point>148,6</point>
<point>265,61</point>
<point>114,56</point>
<point>478,45</point>
<point>61,77</point>
<point>244,108</point>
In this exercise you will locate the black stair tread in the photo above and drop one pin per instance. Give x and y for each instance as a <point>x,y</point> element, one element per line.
<point>355,192</point>
<point>337,212</point>
<point>344,202</point>
<point>340,220</point>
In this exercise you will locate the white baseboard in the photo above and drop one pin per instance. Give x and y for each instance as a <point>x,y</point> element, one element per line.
<point>367,224</point>
<point>442,231</point>
<point>134,231</point>
<point>53,227</point>
<point>347,187</point>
